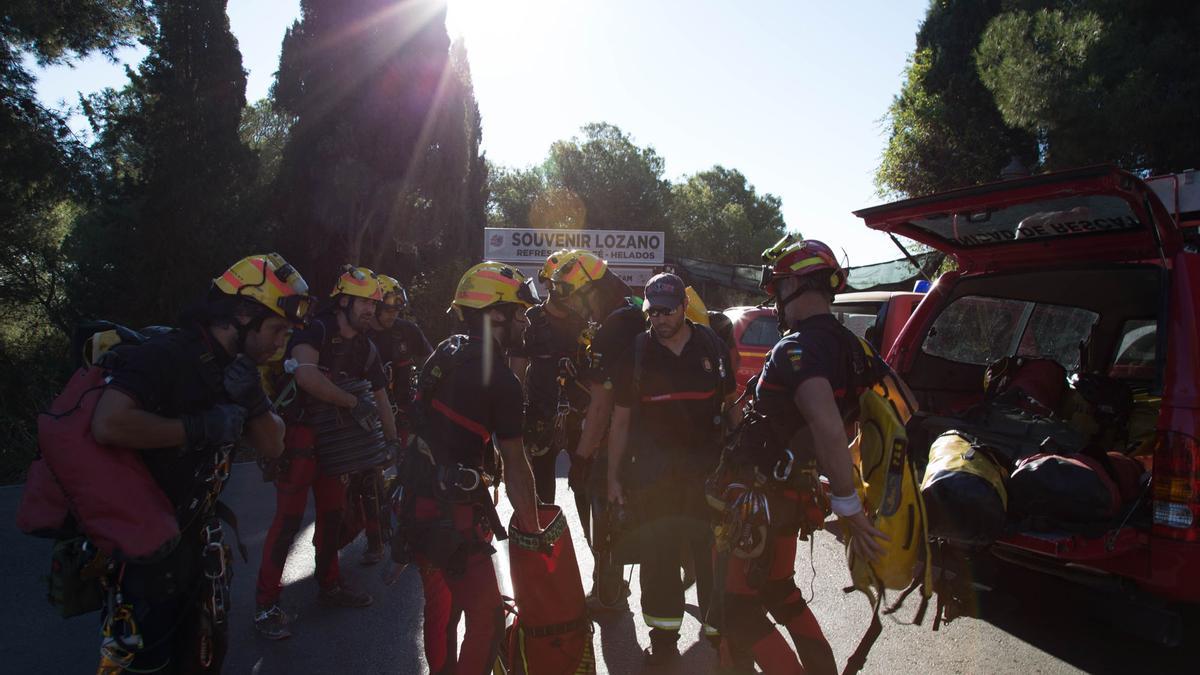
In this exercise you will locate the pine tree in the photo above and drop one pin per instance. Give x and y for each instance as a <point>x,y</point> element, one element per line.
<point>177,172</point>
<point>379,161</point>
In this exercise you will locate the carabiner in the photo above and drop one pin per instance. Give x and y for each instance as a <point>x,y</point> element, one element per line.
<point>783,468</point>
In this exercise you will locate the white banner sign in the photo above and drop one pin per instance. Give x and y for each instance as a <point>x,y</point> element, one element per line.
<point>526,247</point>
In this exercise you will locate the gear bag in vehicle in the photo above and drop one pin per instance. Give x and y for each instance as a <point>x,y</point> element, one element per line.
<point>964,491</point>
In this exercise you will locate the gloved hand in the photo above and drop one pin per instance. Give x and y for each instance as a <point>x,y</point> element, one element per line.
<point>244,386</point>
<point>581,470</point>
<point>366,413</point>
<point>218,426</point>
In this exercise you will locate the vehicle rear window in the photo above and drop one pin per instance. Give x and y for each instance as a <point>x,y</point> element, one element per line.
<point>1137,351</point>
<point>762,332</point>
<point>1040,220</point>
<point>858,318</point>
<point>981,330</point>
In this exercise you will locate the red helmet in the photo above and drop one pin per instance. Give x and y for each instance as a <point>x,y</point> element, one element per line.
<point>795,257</point>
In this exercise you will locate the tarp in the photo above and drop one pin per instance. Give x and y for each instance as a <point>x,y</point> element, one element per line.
<point>894,275</point>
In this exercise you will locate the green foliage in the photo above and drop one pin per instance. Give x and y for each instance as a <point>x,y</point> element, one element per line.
<point>265,130</point>
<point>175,188</point>
<point>45,178</point>
<point>944,130</point>
<point>512,195</point>
<point>603,180</point>
<point>717,215</point>
<point>1104,81</point>
<point>1055,83</point>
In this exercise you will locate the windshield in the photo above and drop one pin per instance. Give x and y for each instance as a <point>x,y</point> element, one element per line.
<point>981,330</point>
<point>1040,220</point>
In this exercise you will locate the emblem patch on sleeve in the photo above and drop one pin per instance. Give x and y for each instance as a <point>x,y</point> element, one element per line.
<point>795,357</point>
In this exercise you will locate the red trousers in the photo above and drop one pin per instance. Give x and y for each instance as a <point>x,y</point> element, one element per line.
<point>291,498</point>
<point>449,597</point>
<point>745,623</point>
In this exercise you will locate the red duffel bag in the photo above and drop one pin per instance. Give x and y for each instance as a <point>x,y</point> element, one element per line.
<point>108,491</point>
<point>1069,488</point>
<point>552,634</point>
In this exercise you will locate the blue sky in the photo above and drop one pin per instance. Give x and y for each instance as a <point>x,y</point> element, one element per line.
<point>791,93</point>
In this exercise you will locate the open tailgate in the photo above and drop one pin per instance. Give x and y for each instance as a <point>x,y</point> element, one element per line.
<point>1093,214</point>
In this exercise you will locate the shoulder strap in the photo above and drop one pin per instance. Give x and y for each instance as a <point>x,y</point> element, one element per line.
<point>639,355</point>
<point>712,343</point>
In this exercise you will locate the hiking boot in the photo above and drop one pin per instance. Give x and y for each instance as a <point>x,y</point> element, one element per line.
<point>661,654</point>
<point>597,604</point>
<point>272,623</point>
<point>342,595</point>
<point>371,556</point>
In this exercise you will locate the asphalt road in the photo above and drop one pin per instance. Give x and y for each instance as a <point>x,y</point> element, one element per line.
<point>1027,624</point>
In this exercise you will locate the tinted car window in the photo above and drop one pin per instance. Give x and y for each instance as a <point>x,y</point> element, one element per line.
<point>762,332</point>
<point>981,330</point>
<point>858,318</point>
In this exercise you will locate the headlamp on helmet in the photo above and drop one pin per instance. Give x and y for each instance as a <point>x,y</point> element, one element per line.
<point>269,280</point>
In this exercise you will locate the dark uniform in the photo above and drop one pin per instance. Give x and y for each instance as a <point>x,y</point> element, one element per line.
<point>462,408</point>
<point>819,347</point>
<point>179,611</point>
<point>401,349</point>
<point>675,436</point>
<point>557,398</point>
<point>339,358</point>
<point>613,340</point>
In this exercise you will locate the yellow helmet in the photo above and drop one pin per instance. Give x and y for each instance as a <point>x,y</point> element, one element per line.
<point>552,262</point>
<point>394,294</point>
<point>576,269</point>
<point>696,311</point>
<point>270,281</point>
<point>492,283</point>
<point>358,282</point>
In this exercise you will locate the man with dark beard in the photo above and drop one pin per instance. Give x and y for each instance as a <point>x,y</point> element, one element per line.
<point>334,345</point>
<point>671,395</point>
<point>402,349</point>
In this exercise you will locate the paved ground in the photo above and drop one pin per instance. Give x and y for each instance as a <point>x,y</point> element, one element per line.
<point>1030,624</point>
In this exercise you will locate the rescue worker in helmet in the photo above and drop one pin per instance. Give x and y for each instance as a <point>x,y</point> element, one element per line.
<point>671,397</point>
<point>468,396</point>
<point>185,398</point>
<point>402,346</point>
<point>554,348</point>
<point>602,299</point>
<point>335,344</point>
<point>804,392</point>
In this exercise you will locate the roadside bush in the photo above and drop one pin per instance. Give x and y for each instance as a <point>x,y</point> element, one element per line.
<point>33,365</point>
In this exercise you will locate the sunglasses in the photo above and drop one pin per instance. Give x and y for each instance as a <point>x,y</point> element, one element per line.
<point>658,311</point>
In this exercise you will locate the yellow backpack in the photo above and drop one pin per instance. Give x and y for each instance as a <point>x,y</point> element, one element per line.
<point>891,495</point>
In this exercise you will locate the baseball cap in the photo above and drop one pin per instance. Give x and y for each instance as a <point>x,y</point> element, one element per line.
<point>665,291</point>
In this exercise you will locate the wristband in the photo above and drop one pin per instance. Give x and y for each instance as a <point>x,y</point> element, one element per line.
<point>846,506</point>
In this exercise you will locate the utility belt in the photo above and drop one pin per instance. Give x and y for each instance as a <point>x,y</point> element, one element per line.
<point>751,508</point>
<point>435,537</point>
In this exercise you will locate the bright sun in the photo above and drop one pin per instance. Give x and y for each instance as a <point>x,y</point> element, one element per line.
<point>488,22</point>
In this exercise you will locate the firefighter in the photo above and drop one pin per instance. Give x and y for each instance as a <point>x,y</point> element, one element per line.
<point>185,398</point>
<point>335,344</point>
<point>602,299</point>
<point>805,392</point>
<point>668,421</point>
<point>555,349</point>
<point>468,396</point>
<point>402,346</point>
